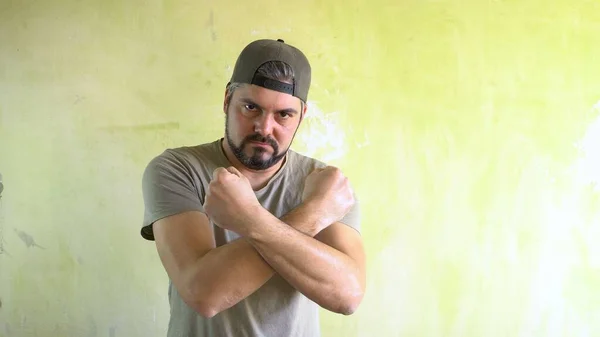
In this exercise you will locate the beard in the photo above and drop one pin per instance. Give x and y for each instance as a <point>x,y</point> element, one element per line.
<point>255,161</point>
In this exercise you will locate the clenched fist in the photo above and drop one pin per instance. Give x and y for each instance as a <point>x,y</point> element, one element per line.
<point>331,191</point>
<point>230,201</point>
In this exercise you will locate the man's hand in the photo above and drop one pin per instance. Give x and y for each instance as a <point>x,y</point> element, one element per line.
<point>330,190</point>
<point>230,201</point>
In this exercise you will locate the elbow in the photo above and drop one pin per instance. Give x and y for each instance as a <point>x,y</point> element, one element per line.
<point>349,302</point>
<point>349,310</point>
<point>200,303</point>
<point>208,299</point>
<point>204,310</point>
<point>350,306</point>
<point>351,298</point>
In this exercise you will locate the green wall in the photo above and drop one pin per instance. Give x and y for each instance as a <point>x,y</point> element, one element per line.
<point>470,130</point>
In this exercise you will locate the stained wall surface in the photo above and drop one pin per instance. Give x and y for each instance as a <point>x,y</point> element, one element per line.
<point>469,129</point>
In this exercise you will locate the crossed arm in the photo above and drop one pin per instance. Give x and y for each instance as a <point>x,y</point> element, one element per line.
<point>328,267</point>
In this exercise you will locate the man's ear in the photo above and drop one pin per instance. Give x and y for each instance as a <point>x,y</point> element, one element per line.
<point>225,99</point>
<point>303,112</point>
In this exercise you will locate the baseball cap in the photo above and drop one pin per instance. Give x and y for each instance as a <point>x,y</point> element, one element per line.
<point>261,51</point>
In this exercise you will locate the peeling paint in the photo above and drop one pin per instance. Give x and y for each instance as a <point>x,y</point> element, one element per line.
<point>27,239</point>
<point>448,115</point>
<point>323,136</point>
<point>588,165</point>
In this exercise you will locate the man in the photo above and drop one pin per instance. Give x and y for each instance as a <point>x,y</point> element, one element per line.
<point>254,236</point>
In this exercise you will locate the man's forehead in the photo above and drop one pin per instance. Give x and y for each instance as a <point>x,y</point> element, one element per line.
<point>264,96</point>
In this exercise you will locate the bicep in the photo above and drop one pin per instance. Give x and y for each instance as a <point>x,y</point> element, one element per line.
<point>348,241</point>
<point>181,240</point>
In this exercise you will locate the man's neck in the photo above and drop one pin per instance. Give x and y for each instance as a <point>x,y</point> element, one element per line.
<point>258,178</point>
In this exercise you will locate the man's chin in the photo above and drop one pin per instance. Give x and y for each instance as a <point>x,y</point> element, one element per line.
<point>261,162</point>
<point>258,166</point>
<point>259,152</point>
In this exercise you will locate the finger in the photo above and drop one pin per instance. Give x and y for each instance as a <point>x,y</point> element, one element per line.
<point>336,172</point>
<point>218,172</point>
<point>235,171</point>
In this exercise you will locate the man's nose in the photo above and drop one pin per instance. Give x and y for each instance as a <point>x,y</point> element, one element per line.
<point>264,123</point>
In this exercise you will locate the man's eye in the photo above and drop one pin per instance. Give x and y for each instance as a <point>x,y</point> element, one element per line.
<point>250,107</point>
<point>285,115</point>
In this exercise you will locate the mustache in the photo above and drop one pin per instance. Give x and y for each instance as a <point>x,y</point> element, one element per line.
<point>258,138</point>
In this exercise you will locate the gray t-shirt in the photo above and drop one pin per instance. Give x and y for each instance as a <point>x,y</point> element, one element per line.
<point>175,182</point>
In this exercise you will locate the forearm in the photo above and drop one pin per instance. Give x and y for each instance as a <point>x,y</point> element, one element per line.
<point>323,274</point>
<point>215,281</point>
<point>219,289</point>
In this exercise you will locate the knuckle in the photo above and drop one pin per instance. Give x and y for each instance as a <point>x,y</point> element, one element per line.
<point>218,172</point>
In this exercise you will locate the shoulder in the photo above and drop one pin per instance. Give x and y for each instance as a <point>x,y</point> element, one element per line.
<point>302,164</point>
<point>186,157</point>
<point>189,166</point>
<point>191,153</point>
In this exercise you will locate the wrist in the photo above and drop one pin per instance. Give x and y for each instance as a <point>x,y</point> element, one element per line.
<point>259,221</point>
<point>314,217</point>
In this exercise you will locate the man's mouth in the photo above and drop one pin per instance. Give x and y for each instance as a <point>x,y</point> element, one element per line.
<point>260,143</point>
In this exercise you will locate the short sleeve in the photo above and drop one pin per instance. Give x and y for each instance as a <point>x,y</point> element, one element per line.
<point>168,189</point>
<point>353,217</point>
